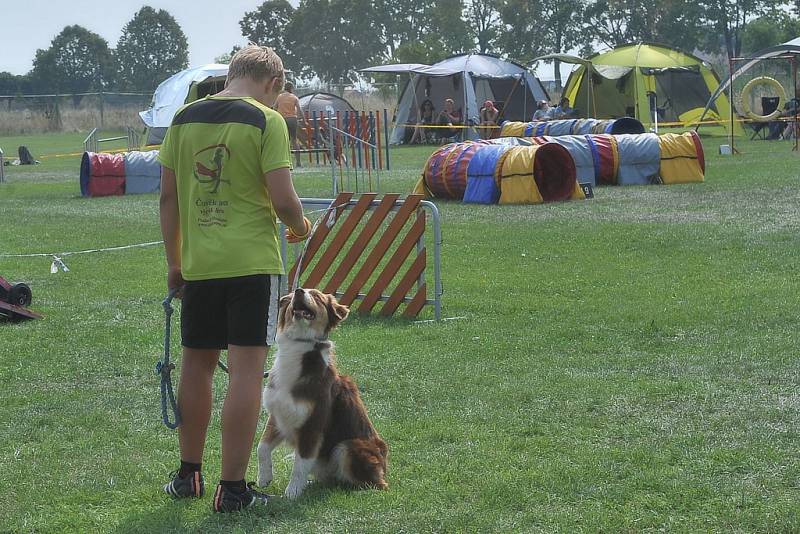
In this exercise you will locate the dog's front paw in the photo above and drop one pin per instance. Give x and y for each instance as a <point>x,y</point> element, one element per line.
<point>264,465</point>
<point>264,477</point>
<point>294,490</point>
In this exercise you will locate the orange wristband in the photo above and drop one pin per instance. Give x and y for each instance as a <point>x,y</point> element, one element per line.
<point>307,229</point>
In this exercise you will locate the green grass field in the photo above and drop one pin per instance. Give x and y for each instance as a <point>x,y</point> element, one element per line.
<point>627,363</point>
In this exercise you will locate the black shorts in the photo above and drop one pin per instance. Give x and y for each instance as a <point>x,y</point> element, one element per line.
<point>291,127</point>
<point>230,311</point>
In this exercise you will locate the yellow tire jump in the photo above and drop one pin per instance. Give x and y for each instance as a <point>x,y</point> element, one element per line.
<point>745,98</point>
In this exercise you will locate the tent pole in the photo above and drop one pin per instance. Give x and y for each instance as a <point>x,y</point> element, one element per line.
<point>464,112</point>
<point>794,118</point>
<point>589,88</point>
<point>508,97</point>
<point>730,77</point>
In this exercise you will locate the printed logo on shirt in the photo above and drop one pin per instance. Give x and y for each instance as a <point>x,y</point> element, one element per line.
<point>209,164</point>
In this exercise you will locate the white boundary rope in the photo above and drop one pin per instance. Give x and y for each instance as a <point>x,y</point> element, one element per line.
<point>58,263</point>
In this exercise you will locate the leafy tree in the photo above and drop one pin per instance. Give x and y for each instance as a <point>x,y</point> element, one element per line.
<point>769,30</point>
<point>13,84</point>
<point>267,26</point>
<point>446,25</point>
<point>727,18</point>
<point>483,18</point>
<point>423,32</point>
<point>671,22</point>
<point>151,48</point>
<point>77,61</point>
<point>334,38</point>
<point>521,23</point>
<point>562,31</point>
<point>404,23</point>
<point>225,59</point>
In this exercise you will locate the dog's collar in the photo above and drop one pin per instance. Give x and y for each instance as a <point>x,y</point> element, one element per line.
<point>314,340</point>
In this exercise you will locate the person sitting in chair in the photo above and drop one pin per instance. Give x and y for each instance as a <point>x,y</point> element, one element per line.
<point>449,116</point>
<point>424,118</point>
<point>488,116</point>
<point>563,110</point>
<point>542,112</point>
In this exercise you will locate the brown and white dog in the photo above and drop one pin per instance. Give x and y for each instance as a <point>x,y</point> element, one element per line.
<point>312,407</point>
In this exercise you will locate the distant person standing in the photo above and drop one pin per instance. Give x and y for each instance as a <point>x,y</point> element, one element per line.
<point>288,105</point>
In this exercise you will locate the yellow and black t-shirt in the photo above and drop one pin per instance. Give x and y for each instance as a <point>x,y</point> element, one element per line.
<point>220,148</point>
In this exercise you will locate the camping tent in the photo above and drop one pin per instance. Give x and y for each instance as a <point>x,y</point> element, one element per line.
<point>324,103</point>
<point>469,79</point>
<point>185,86</point>
<point>318,107</point>
<point>637,79</point>
<point>788,48</point>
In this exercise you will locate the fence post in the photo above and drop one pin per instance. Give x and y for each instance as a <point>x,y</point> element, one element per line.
<point>386,135</point>
<point>2,167</point>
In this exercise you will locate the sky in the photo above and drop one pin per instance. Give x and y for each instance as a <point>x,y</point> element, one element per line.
<point>211,26</point>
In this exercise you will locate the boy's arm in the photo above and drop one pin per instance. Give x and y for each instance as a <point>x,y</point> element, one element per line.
<point>298,110</point>
<point>285,201</point>
<point>171,227</point>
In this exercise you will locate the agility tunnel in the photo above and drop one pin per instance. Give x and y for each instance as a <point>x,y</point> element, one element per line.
<point>129,173</point>
<point>102,174</point>
<point>506,173</point>
<point>629,159</point>
<point>624,125</point>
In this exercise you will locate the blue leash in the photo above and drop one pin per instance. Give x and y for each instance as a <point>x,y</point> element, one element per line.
<point>164,368</point>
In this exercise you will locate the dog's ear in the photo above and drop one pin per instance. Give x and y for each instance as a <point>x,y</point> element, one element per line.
<point>336,312</point>
<point>341,311</point>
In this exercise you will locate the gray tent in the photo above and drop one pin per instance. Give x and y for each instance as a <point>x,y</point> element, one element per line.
<point>469,79</point>
<point>324,103</point>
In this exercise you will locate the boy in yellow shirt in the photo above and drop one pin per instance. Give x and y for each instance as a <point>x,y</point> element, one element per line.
<point>225,178</point>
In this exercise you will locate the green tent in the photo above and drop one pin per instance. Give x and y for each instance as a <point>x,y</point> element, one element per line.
<point>651,82</point>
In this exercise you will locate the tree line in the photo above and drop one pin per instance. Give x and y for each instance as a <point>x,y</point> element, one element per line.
<point>151,48</point>
<point>332,39</point>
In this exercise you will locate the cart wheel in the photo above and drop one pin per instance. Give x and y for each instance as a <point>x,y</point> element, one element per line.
<point>20,295</point>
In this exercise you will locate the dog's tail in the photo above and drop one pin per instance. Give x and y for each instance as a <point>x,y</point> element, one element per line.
<point>366,463</point>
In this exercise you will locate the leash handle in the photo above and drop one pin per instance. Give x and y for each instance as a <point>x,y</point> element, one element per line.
<point>164,368</point>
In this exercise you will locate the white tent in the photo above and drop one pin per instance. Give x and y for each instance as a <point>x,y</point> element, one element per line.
<point>469,79</point>
<point>175,91</point>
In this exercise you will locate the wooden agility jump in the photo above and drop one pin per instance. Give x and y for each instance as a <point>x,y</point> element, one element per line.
<point>372,249</point>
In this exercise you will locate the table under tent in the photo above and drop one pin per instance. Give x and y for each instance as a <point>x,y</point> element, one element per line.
<point>470,80</point>
<point>653,83</point>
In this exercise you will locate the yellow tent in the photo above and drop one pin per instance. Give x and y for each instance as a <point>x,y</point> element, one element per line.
<point>651,82</point>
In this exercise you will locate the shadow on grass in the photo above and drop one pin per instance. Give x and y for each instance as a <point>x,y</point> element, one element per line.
<point>197,515</point>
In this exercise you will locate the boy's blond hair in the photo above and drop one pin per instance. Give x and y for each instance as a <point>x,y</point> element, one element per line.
<point>258,63</point>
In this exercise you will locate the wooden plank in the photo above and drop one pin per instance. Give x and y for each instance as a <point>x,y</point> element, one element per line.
<point>361,242</point>
<point>394,264</point>
<point>337,244</point>
<point>400,218</point>
<point>320,235</point>
<point>417,303</point>
<point>405,285</point>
